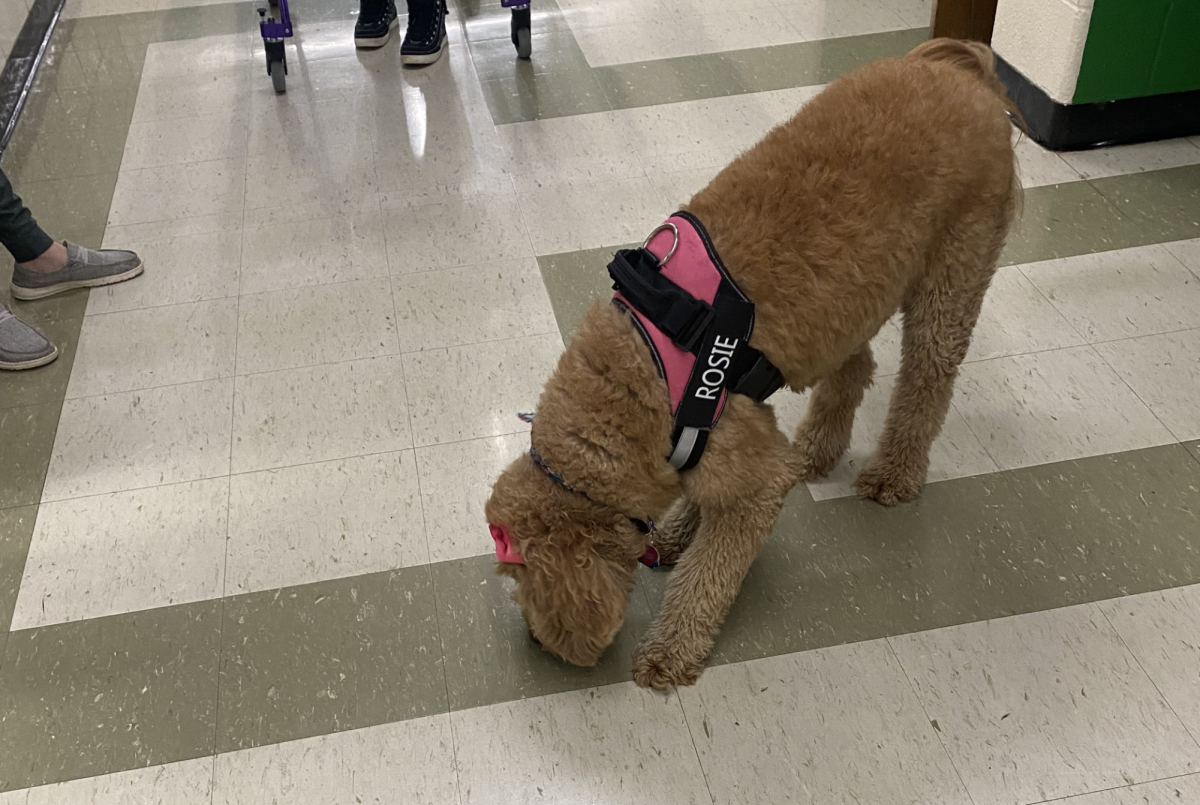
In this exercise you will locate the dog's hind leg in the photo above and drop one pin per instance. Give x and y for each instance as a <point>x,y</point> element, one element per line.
<point>939,317</point>
<point>824,433</point>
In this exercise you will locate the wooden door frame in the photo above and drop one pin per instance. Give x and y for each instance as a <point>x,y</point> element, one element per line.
<point>963,19</point>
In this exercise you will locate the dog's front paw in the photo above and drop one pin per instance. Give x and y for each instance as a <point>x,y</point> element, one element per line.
<point>889,485</point>
<point>660,665</point>
<point>818,451</point>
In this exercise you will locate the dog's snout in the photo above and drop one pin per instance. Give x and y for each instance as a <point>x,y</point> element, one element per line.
<point>534,638</point>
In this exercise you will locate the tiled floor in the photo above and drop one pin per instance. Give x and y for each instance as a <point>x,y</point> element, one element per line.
<point>242,552</point>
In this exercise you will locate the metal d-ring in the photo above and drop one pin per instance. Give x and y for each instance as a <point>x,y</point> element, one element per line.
<point>675,245</point>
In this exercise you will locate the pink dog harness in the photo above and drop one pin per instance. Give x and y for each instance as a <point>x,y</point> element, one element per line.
<point>697,323</point>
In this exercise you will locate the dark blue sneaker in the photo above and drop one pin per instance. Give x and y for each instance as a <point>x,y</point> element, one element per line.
<point>426,36</point>
<point>376,19</point>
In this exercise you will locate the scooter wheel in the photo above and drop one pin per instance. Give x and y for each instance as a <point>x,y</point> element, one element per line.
<point>278,75</point>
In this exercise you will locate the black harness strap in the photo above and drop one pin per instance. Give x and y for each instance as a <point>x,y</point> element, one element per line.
<point>681,316</point>
<point>716,334</point>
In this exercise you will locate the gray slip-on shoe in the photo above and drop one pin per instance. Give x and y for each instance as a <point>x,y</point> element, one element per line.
<point>85,268</point>
<point>21,346</point>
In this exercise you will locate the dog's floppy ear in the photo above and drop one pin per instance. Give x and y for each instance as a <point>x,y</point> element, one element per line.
<point>576,599</point>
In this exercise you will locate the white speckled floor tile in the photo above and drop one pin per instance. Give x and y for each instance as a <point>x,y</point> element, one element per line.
<point>1160,792</point>
<point>456,306</point>
<point>408,762</point>
<point>301,126</point>
<point>178,191</point>
<point>1016,318</point>
<point>125,551</point>
<point>312,244</point>
<point>141,438</point>
<point>685,35</point>
<point>1120,294</point>
<point>462,232</point>
<point>568,216</point>
<point>475,391</point>
<point>1162,629</point>
<point>205,54</point>
<point>1186,252</point>
<point>1053,406</point>
<point>187,260</point>
<point>696,134</point>
<point>834,18</point>
<point>161,143</point>
<point>1164,371</point>
<point>612,744</point>
<point>320,324</point>
<point>1037,166</point>
<point>158,346</point>
<point>186,783</point>
<point>456,480</point>
<point>329,170</point>
<point>194,95</point>
<point>676,188</point>
<point>1044,705</point>
<point>319,413</point>
<point>956,453</point>
<point>578,147</point>
<point>810,727</point>
<point>314,522</point>
<point>914,13</point>
<point>1101,162</point>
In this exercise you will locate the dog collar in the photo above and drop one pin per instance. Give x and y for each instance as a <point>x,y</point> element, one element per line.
<point>505,552</point>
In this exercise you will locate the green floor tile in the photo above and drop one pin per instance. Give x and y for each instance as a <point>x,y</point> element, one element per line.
<point>52,108</point>
<point>667,81</point>
<point>555,51</point>
<point>1165,204</point>
<point>531,96</point>
<point>88,698</point>
<point>1065,220</point>
<point>46,384</point>
<point>67,153</point>
<point>846,570</point>
<point>804,64</point>
<point>60,307</point>
<point>1194,448</point>
<point>1126,523</point>
<point>74,208</point>
<point>489,655</point>
<point>26,441</point>
<point>327,657</point>
<point>16,529</point>
<point>490,21</point>
<point>574,281</point>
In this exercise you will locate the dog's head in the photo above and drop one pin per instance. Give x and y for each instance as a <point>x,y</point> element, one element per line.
<point>573,561</point>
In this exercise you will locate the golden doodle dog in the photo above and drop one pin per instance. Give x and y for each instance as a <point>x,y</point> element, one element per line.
<point>893,190</point>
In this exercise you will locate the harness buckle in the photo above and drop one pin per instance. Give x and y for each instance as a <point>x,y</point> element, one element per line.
<point>760,381</point>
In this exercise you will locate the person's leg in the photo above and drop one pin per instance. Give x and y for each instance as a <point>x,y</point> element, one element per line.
<point>44,267</point>
<point>376,19</point>
<point>19,232</point>
<point>425,38</point>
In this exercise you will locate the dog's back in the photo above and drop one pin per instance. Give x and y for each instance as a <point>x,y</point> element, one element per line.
<point>838,214</point>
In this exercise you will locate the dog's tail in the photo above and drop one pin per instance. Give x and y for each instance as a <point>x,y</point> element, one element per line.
<point>974,57</point>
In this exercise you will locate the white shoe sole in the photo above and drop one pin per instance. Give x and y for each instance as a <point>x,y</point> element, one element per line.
<point>426,58</point>
<point>28,294</point>
<point>371,43</point>
<point>32,364</point>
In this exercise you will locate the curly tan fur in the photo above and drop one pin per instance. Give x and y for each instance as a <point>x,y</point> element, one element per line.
<point>892,190</point>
